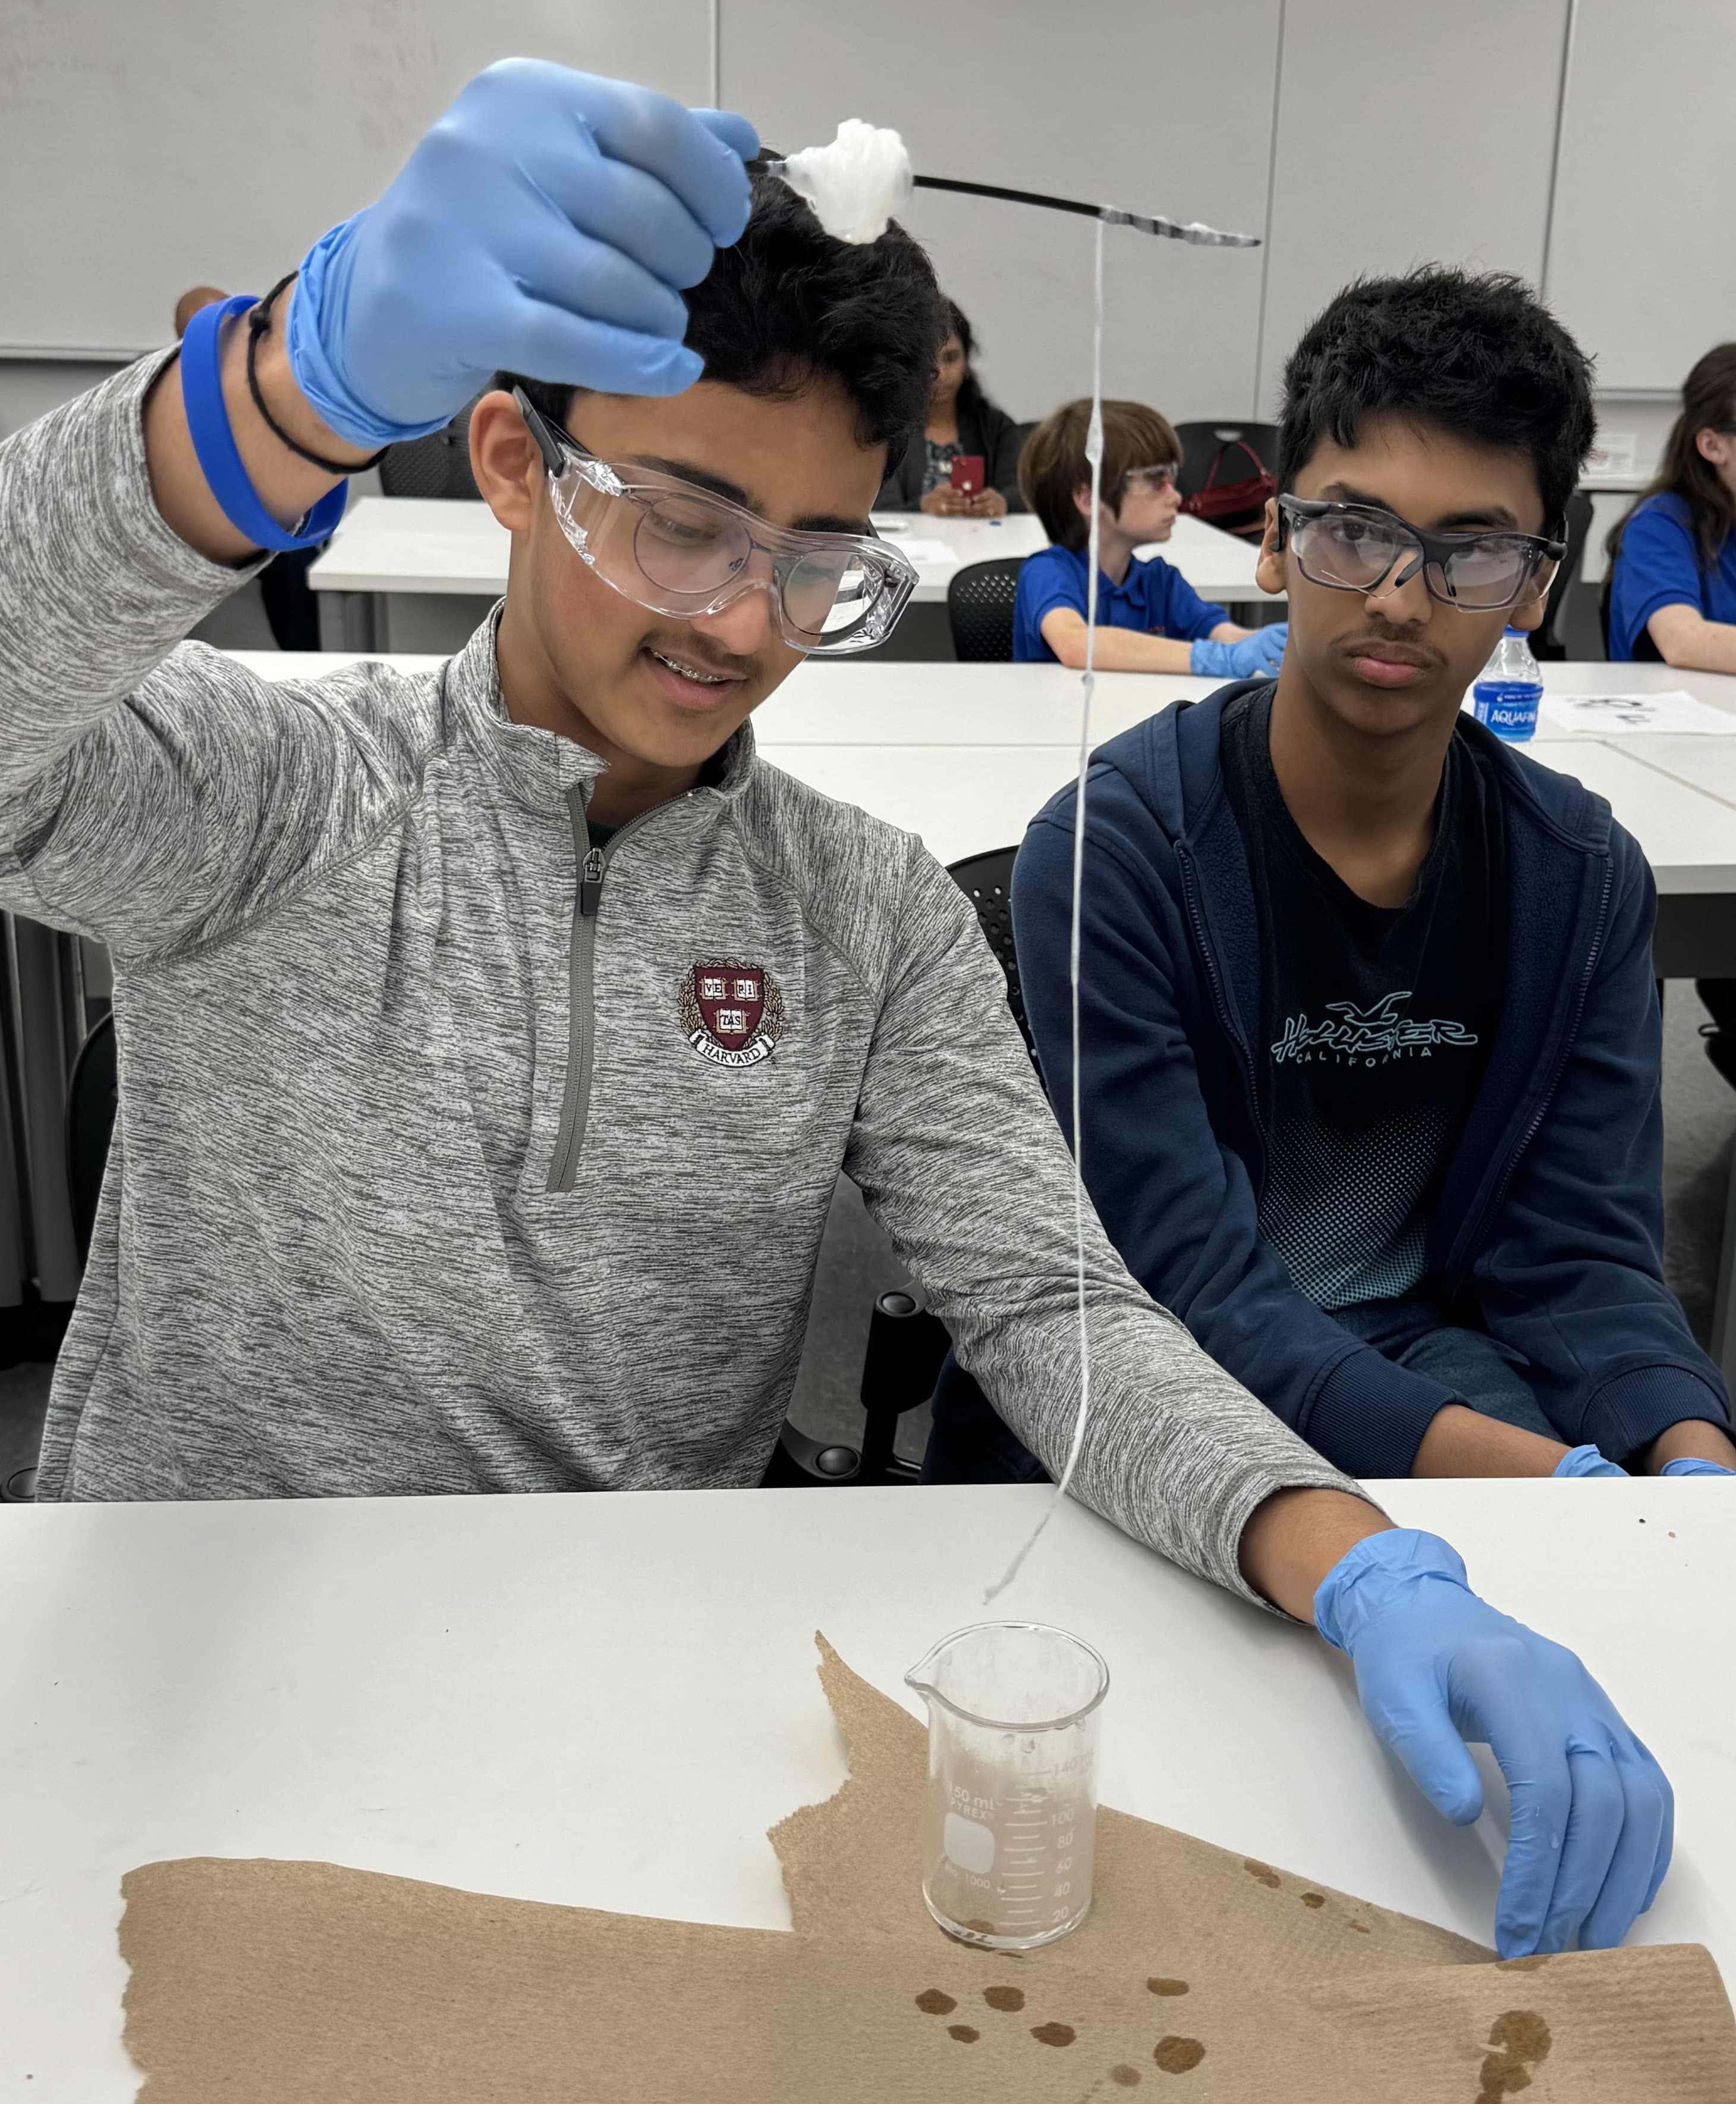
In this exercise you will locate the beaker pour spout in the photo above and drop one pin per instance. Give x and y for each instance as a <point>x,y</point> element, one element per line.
<point>919,1675</point>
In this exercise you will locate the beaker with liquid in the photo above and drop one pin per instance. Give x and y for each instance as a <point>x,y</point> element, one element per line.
<point>1010,1818</point>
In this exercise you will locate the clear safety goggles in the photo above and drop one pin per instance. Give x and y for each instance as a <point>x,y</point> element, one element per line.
<point>1151,479</point>
<point>1359,548</point>
<point>680,550</point>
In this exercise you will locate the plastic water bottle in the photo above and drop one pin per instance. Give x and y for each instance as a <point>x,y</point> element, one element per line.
<point>1507,694</point>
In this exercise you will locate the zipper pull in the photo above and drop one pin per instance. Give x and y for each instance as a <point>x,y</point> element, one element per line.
<point>590,884</point>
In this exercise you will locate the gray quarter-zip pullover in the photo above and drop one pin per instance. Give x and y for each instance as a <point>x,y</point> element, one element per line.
<point>445,1163</point>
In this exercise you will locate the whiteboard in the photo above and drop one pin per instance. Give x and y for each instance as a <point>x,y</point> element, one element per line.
<point>150,145</point>
<point>1642,255</point>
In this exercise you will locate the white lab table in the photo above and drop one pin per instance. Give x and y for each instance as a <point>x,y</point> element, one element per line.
<point>392,555</point>
<point>605,1702</point>
<point>963,755</point>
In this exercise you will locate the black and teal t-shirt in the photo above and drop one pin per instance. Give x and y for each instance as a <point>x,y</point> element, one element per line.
<point>1375,1022</point>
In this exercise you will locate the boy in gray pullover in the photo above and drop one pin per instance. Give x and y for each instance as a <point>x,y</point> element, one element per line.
<point>491,1040</point>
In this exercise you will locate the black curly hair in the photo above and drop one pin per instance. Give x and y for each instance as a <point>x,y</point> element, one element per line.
<point>1478,354</point>
<point>788,303</point>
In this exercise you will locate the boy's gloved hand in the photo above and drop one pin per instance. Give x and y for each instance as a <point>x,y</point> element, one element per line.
<point>546,224</point>
<point>1592,1813</point>
<point>1259,652</point>
<point>1690,1464</point>
<point>1585,1461</point>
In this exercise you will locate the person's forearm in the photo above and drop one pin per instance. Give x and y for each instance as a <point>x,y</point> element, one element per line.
<point>1692,1438</point>
<point>1461,1442</point>
<point>1690,643</point>
<point>1228,631</point>
<point>1116,650</point>
<point>1296,1537</point>
<point>287,485</point>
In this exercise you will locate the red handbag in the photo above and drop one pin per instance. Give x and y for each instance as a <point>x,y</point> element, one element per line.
<point>1236,507</point>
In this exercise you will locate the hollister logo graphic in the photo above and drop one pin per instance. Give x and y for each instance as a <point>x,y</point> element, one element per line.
<point>732,1013</point>
<point>1367,1036</point>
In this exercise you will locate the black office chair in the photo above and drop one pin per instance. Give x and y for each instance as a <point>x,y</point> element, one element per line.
<point>987,880</point>
<point>438,465</point>
<point>1547,645</point>
<point>89,1121</point>
<point>979,610</point>
<point>91,1104</point>
<point>900,1367</point>
<point>905,1343</point>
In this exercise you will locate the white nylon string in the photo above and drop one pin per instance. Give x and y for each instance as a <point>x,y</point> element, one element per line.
<point>1087,684</point>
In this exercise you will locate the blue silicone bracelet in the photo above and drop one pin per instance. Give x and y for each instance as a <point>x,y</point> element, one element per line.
<point>213,441</point>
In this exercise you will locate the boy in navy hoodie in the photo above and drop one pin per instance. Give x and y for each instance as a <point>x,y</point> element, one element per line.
<point>1369,1032</point>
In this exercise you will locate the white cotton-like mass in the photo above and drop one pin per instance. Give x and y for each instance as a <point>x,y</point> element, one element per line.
<point>855,183</point>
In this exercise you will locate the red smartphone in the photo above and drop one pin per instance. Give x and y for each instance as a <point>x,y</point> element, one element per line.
<point>967,474</point>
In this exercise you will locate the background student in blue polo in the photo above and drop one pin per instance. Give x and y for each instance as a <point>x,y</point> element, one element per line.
<point>1369,1032</point>
<point>1672,580</point>
<point>1149,619</point>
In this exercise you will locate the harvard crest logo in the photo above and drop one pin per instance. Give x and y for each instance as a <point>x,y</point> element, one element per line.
<point>732,1013</point>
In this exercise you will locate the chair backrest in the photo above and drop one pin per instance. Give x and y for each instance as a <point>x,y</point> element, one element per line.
<point>91,1103</point>
<point>438,465</point>
<point>987,880</point>
<point>979,610</point>
<point>1546,644</point>
<point>1201,443</point>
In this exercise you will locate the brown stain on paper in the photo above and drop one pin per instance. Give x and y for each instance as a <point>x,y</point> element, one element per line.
<point>1521,2042</point>
<point>1163,1987</point>
<point>1053,2033</point>
<point>936,2002</point>
<point>1179,2055</point>
<point>964,2034</point>
<point>1004,1998</point>
<point>1314,1899</point>
<point>1262,1872</point>
<point>1125,2077</point>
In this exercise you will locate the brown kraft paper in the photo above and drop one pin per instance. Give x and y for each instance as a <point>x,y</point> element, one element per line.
<point>1199,1975</point>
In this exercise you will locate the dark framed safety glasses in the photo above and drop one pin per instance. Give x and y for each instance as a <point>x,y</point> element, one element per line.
<point>1359,548</point>
<point>678,549</point>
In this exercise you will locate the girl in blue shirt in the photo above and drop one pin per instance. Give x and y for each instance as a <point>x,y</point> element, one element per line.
<point>1149,619</point>
<point>1672,588</point>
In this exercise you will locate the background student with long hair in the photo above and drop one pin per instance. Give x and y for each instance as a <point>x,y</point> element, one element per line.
<point>1672,583</point>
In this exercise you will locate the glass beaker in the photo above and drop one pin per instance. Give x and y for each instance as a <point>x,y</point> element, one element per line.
<point>1010,1818</point>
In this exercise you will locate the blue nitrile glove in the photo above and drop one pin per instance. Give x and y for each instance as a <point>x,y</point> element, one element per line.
<point>543,224</point>
<point>1585,1461</point>
<point>1242,659</point>
<point>1691,1465</point>
<point>1592,1813</point>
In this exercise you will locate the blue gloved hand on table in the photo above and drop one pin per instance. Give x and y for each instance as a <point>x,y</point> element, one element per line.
<point>1593,1812</point>
<point>546,224</point>
<point>1585,1461</point>
<point>1691,1465</point>
<point>1241,660</point>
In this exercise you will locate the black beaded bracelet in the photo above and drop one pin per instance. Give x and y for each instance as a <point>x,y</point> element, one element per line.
<point>258,320</point>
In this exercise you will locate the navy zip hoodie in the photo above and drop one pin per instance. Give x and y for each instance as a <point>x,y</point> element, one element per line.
<point>1549,1229</point>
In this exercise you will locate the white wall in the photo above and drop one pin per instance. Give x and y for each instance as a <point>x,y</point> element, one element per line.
<point>1159,107</point>
<point>1399,143</point>
<point>1642,264</point>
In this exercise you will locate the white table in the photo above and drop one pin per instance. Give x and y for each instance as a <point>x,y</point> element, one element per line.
<point>605,1702</point>
<point>391,554</point>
